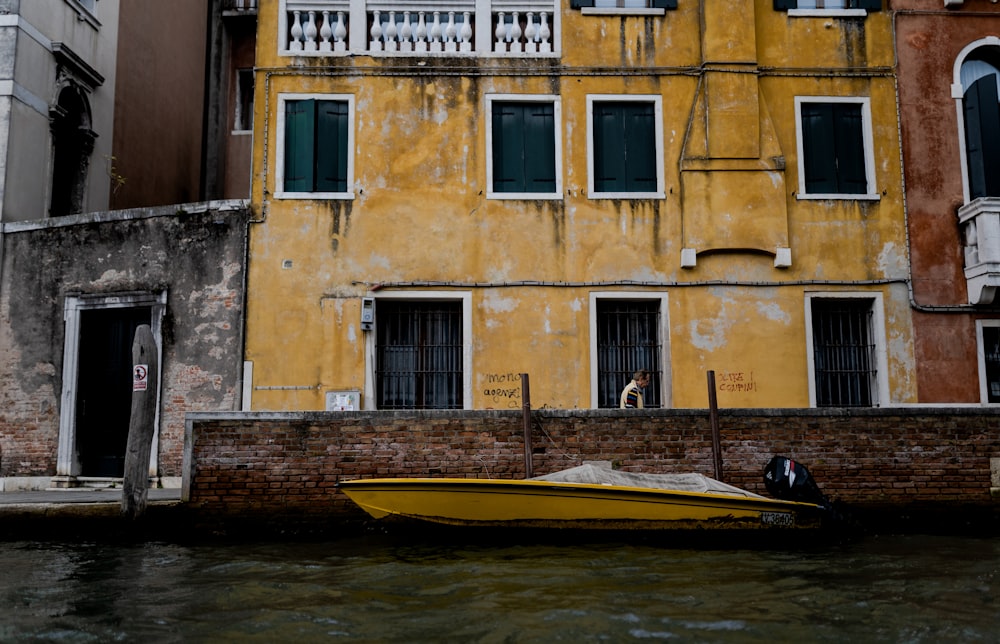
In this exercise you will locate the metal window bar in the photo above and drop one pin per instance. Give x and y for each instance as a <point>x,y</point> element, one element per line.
<point>419,355</point>
<point>628,339</point>
<point>843,353</point>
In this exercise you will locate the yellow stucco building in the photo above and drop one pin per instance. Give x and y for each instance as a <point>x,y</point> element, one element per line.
<point>450,194</point>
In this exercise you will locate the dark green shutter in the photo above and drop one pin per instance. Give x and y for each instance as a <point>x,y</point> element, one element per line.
<point>982,137</point>
<point>576,4</point>
<point>849,142</point>
<point>508,147</point>
<point>331,146</point>
<point>664,4</point>
<point>870,5</point>
<point>299,137</point>
<point>539,147</point>
<point>609,148</point>
<point>640,147</point>
<point>785,5</point>
<point>818,151</point>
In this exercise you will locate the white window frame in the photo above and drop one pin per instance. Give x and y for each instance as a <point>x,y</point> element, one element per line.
<point>878,338</point>
<point>666,386</point>
<point>556,102</point>
<point>867,140</point>
<point>984,394</point>
<point>958,93</point>
<point>371,358</point>
<point>279,165</point>
<point>657,101</point>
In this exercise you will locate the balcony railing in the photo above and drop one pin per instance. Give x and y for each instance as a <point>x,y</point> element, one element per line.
<point>979,221</point>
<point>249,6</point>
<point>415,27</point>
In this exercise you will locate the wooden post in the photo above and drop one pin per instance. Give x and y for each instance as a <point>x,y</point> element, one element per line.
<point>526,418</point>
<point>145,367</point>
<point>713,415</point>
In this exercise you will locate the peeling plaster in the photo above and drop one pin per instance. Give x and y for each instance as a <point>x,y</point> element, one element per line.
<point>496,303</point>
<point>891,261</point>
<point>772,311</point>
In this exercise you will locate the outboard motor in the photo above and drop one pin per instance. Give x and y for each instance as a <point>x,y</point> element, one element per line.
<point>790,481</point>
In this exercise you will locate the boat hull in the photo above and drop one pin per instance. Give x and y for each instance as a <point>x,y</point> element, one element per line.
<point>547,504</point>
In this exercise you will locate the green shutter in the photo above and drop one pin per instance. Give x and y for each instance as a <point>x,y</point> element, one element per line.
<point>576,4</point>
<point>818,150</point>
<point>849,142</point>
<point>982,137</point>
<point>508,147</point>
<point>539,147</point>
<point>609,148</point>
<point>640,147</point>
<point>785,5</point>
<point>331,146</point>
<point>299,137</point>
<point>870,5</point>
<point>664,4</point>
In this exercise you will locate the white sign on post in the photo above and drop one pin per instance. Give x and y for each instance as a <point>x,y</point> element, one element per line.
<point>140,376</point>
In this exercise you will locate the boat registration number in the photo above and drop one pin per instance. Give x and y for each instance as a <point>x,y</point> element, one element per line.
<point>777,518</point>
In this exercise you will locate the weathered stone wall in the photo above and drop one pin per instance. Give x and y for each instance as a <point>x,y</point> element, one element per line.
<point>196,253</point>
<point>288,465</point>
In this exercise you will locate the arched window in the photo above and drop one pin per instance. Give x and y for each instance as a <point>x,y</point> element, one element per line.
<point>73,142</point>
<point>980,80</point>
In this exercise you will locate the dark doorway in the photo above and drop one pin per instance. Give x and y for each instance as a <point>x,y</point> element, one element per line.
<point>104,386</point>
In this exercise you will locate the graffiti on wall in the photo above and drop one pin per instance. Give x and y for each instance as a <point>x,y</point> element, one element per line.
<point>502,390</point>
<point>736,382</point>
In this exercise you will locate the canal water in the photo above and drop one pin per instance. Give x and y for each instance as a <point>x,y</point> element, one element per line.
<point>910,588</point>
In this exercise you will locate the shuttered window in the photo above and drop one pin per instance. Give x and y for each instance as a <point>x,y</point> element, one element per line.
<point>833,148</point>
<point>624,147</point>
<point>419,355</point>
<point>316,142</point>
<point>844,359</point>
<point>982,137</point>
<point>867,5</point>
<point>524,147</point>
<point>628,339</point>
<point>624,4</point>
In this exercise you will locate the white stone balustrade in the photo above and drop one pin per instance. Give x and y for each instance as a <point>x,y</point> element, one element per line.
<point>419,27</point>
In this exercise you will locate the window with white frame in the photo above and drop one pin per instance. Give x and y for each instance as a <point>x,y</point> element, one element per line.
<point>628,333</point>
<point>835,152</point>
<point>421,347</point>
<point>980,80</point>
<point>848,362</point>
<point>315,157</point>
<point>524,147</point>
<point>828,7</point>
<point>625,146</point>
<point>988,342</point>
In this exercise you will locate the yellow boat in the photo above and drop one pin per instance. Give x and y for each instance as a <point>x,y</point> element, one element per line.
<point>585,497</point>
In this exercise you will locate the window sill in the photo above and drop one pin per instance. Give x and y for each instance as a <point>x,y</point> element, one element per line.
<point>621,11</point>
<point>827,13</point>
<point>839,197</point>
<point>241,132</point>
<point>634,196</point>
<point>313,196</point>
<point>524,196</point>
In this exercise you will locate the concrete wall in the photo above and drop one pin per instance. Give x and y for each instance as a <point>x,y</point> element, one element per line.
<point>195,253</point>
<point>260,465</point>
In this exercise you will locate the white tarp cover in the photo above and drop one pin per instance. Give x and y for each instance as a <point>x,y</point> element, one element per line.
<point>691,482</point>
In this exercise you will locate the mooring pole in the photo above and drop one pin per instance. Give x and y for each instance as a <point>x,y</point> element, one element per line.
<point>141,424</point>
<point>713,415</point>
<point>526,417</point>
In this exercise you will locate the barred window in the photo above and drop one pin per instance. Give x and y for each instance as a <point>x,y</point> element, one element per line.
<point>419,355</point>
<point>628,339</point>
<point>843,352</point>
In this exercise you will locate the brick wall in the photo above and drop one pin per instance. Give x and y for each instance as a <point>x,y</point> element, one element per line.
<point>287,465</point>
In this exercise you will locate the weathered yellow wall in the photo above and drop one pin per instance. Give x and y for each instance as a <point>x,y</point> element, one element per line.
<point>420,213</point>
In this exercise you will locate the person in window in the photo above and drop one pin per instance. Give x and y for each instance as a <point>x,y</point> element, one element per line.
<point>631,397</point>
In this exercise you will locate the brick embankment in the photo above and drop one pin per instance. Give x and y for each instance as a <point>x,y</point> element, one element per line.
<point>911,468</point>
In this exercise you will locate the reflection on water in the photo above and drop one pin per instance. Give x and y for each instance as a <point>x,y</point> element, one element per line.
<point>890,589</point>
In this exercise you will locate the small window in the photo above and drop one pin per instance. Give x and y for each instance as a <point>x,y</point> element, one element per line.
<point>628,339</point>
<point>831,6</point>
<point>315,153</point>
<point>625,158</point>
<point>835,151</point>
<point>524,148</point>
<point>624,4</point>
<point>844,352</point>
<point>243,119</point>
<point>989,360</point>
<point>419,347</point>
